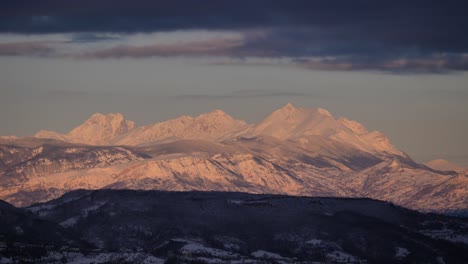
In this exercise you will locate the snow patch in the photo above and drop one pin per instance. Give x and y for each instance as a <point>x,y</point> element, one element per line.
<point>6,260</point>
<point>86,211</point>
<point>70,222</point>
<point>314,242</point>
<point>199,249</point>
<point>401,252</point>
<point>19,230</point>
<point>266,255</point>
<point>43,207</point>
<point>341,257</point>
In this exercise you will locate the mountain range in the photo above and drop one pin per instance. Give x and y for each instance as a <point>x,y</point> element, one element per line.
<point>294,151</point>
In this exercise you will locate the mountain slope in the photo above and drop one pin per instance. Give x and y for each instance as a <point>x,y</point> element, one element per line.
<point>20,226</point>
<point>443,165</point>
<point>413,187</point>
<point>30,160</point>
<point>293,151</point>
<point>259,165</point>
<point>214,227</point>
<point>290,122</point>
<point>209,126</point>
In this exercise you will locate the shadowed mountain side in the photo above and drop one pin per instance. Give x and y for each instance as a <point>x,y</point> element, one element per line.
<point>21,226</point>
<point>225,227</point>
<point>187,147</point>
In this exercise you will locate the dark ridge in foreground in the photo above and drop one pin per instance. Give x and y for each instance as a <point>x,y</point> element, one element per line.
<point>126,226</point>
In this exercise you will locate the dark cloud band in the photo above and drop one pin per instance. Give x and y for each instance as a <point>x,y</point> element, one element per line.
<point>359,34</point>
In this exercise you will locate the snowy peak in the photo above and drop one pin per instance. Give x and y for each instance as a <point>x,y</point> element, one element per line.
<point>443,165</point>
<point>215,116</point>
<point>288,108</point>
<point>99,129</point>
<point>218,119</point>
<point>49,134</point>
<point>380,143</point>
<point>285,112</point>
<point>114,123</point>
<point>217,112</point>
<point>208,126</point>
<point>291,122</point>
<point>102,119</point>
<point>286,123</point>
<point>353,126</point>
<point>324,112</point>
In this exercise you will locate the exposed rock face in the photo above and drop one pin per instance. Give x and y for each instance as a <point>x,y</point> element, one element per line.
<point>292,151</point>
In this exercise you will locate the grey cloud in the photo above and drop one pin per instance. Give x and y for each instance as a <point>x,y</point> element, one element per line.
<point>422,64</point>
<point>25,48</point>
<point>93,37</point>
<point>217,46</point>
<point>375,35</point>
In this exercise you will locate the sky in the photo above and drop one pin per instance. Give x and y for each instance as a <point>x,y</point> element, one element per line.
<point>397,67</point>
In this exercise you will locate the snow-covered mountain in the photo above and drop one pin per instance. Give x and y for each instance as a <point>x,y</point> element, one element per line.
<point>99,129</point>
<point>292,151</point>
<point>290,122</point>
<point>286,123</point>
<point>209,126</point>
<point>444,165</point>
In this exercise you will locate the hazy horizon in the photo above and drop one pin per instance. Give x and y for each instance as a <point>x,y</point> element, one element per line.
<point>58,66</point>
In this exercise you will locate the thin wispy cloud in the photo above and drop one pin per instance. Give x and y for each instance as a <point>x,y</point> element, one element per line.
<point>243,94</point>
<point>427,63</point>
<point>25,49</point>
<point>223,48</point>
<point>217,46</point>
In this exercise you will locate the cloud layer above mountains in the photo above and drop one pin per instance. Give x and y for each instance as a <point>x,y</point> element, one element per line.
<point>418,36</point>
<point>399,66</point>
